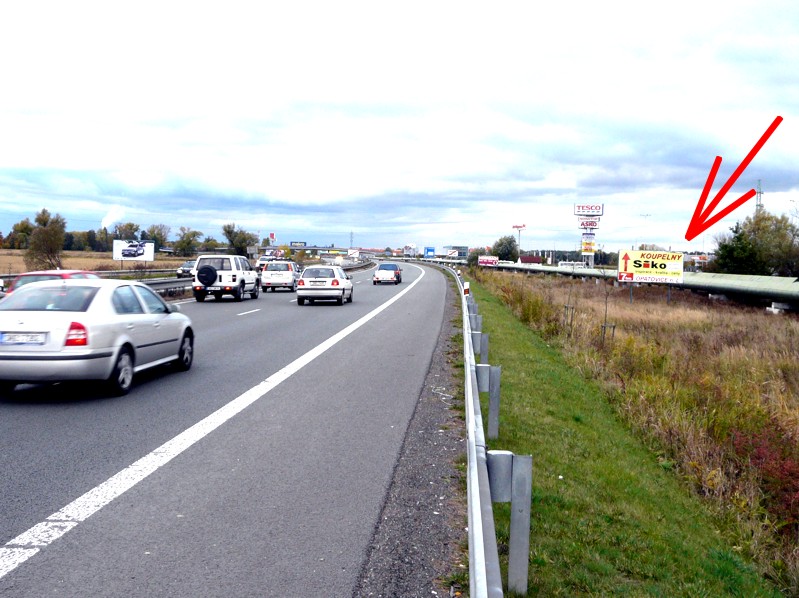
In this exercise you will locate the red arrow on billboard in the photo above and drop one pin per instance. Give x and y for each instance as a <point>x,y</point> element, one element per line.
<point>701,220</point>
<point>625,259</point>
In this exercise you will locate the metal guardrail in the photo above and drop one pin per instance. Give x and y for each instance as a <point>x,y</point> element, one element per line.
<point>485,578</point>
<point>781,291</point>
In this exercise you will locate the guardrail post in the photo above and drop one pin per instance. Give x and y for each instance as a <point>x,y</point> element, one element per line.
<point>483,371</point>
<point>476,342</point>
<point>495,372</point>
<point>511,480</point>
<point>483,348</point>
<point>476,323</point>
<point>519,545</point>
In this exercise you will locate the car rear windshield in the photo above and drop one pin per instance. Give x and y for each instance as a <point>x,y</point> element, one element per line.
<point>387,267</point>
<point>55,298</point>
<point>319,273</point>
<point>280,267</point>
<point>220,263</point>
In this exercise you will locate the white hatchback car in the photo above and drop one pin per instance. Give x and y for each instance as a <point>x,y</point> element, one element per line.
<point>89,329</point>
<point>324,283</point>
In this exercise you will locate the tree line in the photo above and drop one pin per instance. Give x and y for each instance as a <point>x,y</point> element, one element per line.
<point>46,238</point>
<point>763,244</point>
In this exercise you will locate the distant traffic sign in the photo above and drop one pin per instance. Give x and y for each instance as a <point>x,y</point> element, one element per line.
<point>651,266</point>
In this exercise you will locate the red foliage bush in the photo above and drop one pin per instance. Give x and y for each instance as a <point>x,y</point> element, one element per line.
<point>774,456</point>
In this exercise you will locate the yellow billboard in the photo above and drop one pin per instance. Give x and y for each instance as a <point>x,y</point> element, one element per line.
<point>651,266</point>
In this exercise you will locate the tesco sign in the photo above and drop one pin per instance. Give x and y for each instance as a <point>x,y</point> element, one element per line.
<point>589,209</point>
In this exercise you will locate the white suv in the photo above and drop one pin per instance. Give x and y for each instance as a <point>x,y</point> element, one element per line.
<point>280,274</point>
<point>219,275</point>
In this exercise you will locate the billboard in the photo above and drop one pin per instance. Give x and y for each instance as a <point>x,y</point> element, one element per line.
<point>487,260</point>
<point>651,266</point>
<point>139,251</point>
<point>430,252</point>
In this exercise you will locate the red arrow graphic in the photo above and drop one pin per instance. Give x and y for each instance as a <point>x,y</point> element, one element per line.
<point>625,259</point>
<point>701,220</point>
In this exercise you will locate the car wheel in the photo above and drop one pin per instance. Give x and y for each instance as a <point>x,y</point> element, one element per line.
<point>199,297</point>
<point>7,387</point>
<point>294,287</point>
<point>186,353</point>
<point>340,300</point>
<point>206,275</point>
<point>300,301</point>
<point>121,378</point>
<point>349,299</point>
<point>256,291</point>
<point>374,282</point>
<point>238,293</point>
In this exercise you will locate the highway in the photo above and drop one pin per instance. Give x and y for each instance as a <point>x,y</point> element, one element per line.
<point>260,472</point>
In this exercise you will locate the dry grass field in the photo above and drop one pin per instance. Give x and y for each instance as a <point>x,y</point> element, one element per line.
<point>12,262</point>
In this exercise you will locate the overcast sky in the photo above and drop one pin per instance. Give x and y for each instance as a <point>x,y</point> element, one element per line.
<point>432,123</point>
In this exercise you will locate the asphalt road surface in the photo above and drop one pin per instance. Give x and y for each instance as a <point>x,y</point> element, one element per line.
<point>269,469</point>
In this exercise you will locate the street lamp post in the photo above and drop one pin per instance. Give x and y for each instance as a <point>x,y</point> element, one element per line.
<point>520,228</point>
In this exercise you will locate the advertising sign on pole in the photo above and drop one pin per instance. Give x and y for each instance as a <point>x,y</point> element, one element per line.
<point>487,260</point>
<point>589,209</point>
<point>589,244</point>
<point>651,266</point>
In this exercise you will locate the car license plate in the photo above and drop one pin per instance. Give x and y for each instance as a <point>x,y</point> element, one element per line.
<point>213,288</point>
<point>22,338</point>
<point>317,283</point>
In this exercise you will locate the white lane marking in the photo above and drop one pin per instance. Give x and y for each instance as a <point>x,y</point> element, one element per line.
<point>30,542</point>
<point>252,311</point>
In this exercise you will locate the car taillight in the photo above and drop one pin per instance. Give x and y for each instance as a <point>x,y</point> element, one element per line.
<point>77,335</point>
<point>335,282</point>
<point>300,283</point>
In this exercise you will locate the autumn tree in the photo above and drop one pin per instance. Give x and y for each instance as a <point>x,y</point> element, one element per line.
<point>19,236</point>
<point>210,244</point>
<point>239,238</point>
<point>103,240</point>
<point>506,249</point>
<point>46,242</point>
<point>129,231</point>
<point>187,242</point>
<point>158,233</point>
<point>763,244</point>
<point>474,257</point>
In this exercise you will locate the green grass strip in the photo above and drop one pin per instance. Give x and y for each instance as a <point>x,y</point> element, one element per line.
<point>607,518</point>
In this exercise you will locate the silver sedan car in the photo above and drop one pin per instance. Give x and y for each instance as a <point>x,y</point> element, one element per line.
<point>89,329</point>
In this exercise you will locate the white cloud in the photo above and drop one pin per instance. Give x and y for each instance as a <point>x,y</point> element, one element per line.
<point>238,112</point>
